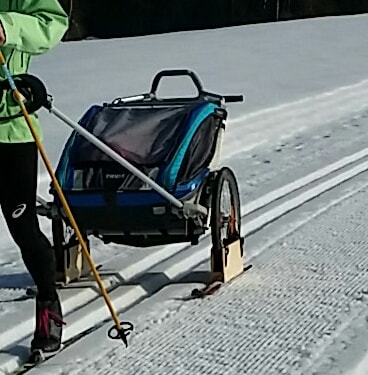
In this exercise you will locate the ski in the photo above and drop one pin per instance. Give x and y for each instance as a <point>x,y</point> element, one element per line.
<point>208,290</point>
<point>36,358</point>
<point>31,292</point>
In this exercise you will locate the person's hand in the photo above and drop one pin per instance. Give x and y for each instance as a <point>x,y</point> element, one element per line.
<point>2,35</point>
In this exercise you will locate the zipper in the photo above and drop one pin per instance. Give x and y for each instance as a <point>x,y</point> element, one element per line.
<point>10,57</point>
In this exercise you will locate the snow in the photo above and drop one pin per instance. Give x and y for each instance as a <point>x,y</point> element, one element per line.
<point>306,87</point>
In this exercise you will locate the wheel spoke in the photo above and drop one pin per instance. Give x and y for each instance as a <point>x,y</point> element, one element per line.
<point>225,217</point>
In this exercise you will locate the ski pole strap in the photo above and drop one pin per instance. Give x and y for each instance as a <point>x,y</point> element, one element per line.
<point>33,91</point>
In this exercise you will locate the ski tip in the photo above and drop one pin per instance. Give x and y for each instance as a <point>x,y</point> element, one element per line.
<point>197,293</point>
<point>207,290</point>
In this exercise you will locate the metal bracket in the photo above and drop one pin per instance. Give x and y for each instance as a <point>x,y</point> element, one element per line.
<point>232,262</point>
<point>75,265</point>
<point>191,210</point>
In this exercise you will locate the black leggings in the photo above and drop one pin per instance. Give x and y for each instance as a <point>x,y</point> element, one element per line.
<point>18,189</point>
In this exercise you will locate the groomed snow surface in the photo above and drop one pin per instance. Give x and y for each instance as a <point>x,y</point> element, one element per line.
<point>301,309</point>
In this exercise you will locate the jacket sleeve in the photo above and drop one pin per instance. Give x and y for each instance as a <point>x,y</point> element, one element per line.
<point>38,26</point>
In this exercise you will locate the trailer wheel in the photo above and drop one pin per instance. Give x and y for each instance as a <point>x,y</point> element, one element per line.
<point>225,214</point>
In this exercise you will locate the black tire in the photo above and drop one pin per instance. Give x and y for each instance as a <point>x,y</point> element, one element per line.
<point>225,221</point>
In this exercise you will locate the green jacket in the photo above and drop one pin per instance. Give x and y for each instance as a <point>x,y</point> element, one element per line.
<point>31,27</point>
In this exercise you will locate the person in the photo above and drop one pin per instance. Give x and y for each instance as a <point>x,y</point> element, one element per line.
<point>28,28</point>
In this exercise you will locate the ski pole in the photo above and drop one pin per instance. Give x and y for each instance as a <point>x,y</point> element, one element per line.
<point>116,331</point>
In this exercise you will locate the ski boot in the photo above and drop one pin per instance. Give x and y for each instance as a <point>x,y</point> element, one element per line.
<point>48,332</point>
